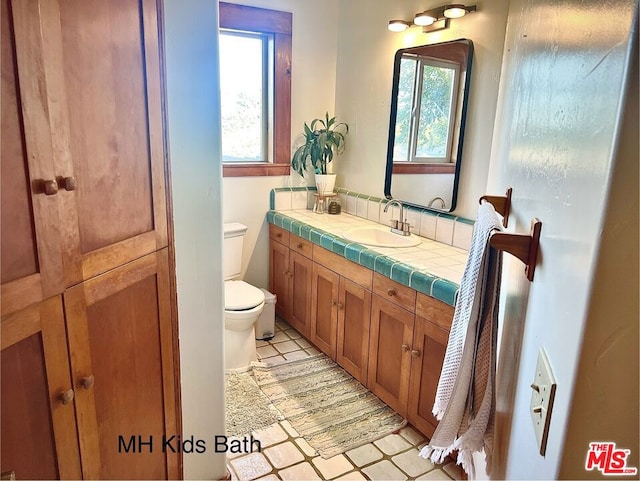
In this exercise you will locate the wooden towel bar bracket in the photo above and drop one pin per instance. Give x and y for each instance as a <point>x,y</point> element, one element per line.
<point>523,246</point>
<point>501,203</point>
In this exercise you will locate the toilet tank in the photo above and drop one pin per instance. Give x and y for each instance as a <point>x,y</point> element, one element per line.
<point>232,249</point>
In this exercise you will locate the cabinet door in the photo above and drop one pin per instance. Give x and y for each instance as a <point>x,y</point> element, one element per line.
<point>389,354</point>
<point>299,299</point>
<point>120,332</point>
<point>38,423</point>
<point>98,94</point>
<point>354,317</point>
<point>279,276</point>
<point>31,268</point>
<point>429,346</point>
<point>324,309</point>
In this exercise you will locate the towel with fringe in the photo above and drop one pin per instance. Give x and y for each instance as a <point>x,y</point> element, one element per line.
<point>465,398</point>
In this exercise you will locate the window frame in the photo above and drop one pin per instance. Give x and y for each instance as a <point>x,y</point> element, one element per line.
<point>279,25</point>
<point>425,165</point>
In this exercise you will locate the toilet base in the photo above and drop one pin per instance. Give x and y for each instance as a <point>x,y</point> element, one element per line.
<point>239,349</point>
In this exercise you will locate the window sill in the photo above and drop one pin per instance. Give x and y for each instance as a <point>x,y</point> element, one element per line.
<point>410,168</point>
<point>255,170</point>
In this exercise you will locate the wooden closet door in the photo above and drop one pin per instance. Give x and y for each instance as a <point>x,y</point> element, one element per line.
<point>31,268</point>
<point>111,75</point>
<point>119,329</point>
<point>100,63</point>
<point>38,423</point>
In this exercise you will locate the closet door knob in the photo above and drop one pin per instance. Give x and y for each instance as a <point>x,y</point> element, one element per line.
<point>405,348</point>
<point>87,382</point>
<point>391,292</point>
<point>65,397</point>
<point>50,187</point>
<point>415,353</point>
<point>69,184</point>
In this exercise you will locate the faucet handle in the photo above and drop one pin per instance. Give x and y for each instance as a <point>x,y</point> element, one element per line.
<point>394,223</point>
<point>406,227</point>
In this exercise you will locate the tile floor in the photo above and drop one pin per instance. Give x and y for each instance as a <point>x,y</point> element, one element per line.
<point>285,455</point>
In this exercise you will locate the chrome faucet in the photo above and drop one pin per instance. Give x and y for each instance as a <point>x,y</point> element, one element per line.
<point>442,203</point>
<point>401,226</point>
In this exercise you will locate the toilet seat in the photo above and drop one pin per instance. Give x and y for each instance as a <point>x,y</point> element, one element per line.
<point>240,296</point>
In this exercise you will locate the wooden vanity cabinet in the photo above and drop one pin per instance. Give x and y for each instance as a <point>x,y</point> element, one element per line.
<point>385,334</point>
<point>407,351</point>
<point>430,338</point>
<point>390,352</point>
<point>279,268</point>
<point>340,312</point>
<point>354,317</point>
<point>325,304</point>
<point>299,293</point>
<point>340,315</point>
<point>290,277</point>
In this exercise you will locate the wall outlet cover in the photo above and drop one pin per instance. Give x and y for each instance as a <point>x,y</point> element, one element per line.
<point>543,392</point>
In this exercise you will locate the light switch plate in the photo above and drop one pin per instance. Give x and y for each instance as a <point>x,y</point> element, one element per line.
<point>543,390</point>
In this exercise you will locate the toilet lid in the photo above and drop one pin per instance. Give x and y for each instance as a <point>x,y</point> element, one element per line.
<point>239,296</point>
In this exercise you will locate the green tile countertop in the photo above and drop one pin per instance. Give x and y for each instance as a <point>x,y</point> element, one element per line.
<point>433,268</point>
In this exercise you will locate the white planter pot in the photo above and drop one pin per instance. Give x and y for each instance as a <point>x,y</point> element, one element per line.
<point>325,183</point>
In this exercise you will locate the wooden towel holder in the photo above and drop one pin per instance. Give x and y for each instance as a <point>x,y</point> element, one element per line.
<point>501,203</point>
<point>523,246</point>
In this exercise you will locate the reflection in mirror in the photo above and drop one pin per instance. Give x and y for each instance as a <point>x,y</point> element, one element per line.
<point>426,128</point>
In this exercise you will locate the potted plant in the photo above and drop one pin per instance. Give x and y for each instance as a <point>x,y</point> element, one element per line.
<point>323,139</point>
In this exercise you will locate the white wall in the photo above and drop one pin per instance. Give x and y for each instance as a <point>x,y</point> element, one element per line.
<point>363,94</point>
<point>194,138</point>
<point>313,65</point>
<point>606,388</point>
<point>555,138</point>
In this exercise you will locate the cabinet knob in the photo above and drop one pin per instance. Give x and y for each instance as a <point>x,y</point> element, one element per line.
<point>391,292</point>
<point>333,303</point>
<point>405,348</point>
<point>279,234</point>
<point>299,245</point>
<point>65,397</point>
<point>69,184</point>
<point>340,305</point>
<point>415,353</point>
<point>88,381</point>
<point>50,187</point>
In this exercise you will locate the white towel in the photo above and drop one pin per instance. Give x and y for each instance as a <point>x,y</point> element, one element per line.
<point>465,399</point>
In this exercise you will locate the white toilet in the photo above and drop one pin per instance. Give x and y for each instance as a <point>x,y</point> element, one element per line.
<point>243,304</point>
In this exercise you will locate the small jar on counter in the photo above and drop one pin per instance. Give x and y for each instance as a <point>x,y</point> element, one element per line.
<point>334,207</point>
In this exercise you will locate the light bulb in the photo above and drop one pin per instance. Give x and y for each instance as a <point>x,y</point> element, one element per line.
<point>398,25</point>
<point>455,11</point>
<point>423,19</point>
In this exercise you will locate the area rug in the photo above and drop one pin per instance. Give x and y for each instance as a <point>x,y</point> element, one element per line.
<point>328,407</point>
<point>247,408</point>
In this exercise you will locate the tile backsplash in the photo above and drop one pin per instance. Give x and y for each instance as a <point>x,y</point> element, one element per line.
<point>439,226</point>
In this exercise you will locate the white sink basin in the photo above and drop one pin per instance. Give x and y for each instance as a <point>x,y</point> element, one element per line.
<point>380,237</point>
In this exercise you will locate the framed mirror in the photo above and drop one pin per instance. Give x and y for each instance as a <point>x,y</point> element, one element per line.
<point>426,126</point>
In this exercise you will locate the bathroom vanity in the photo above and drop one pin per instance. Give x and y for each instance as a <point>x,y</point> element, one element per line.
<point>390,336</point>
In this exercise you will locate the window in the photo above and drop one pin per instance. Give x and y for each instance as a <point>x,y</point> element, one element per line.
<point>255,82</point>
<point>427,94</point>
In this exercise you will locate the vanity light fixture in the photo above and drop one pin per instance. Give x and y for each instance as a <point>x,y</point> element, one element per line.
<point>434,19</point>
<point>398,25</point>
